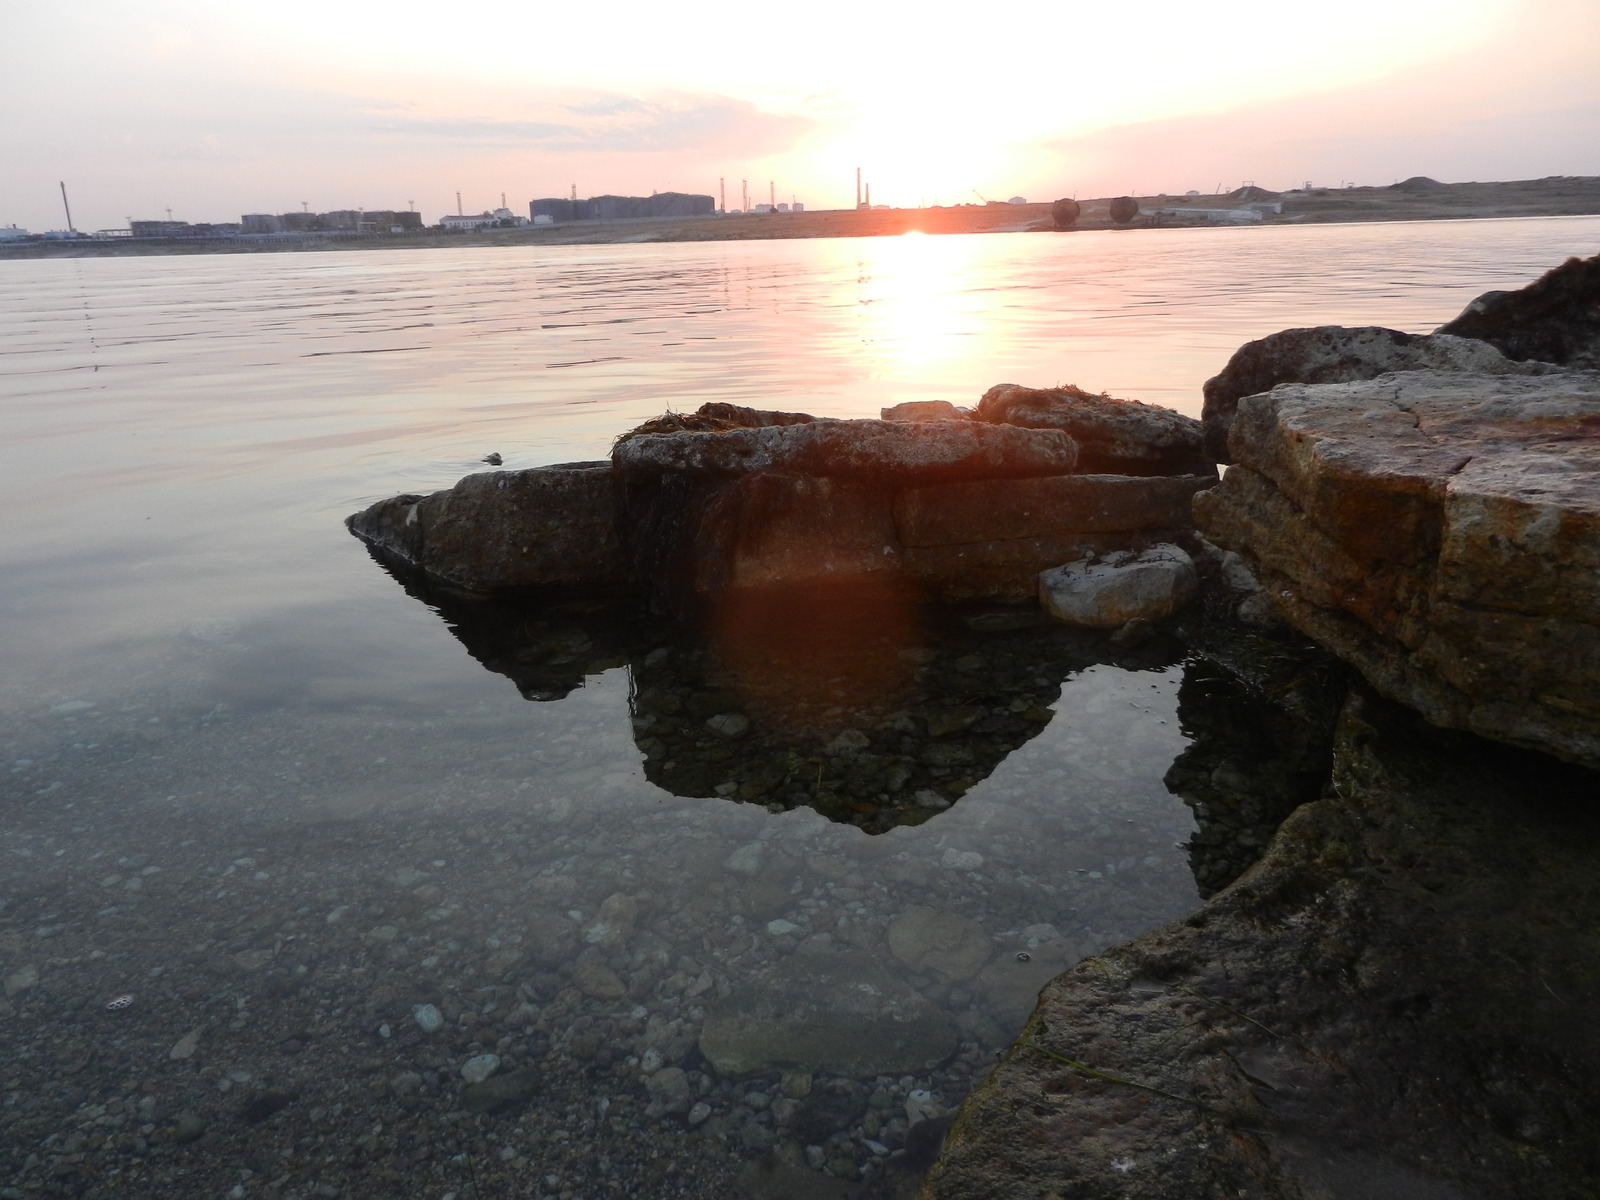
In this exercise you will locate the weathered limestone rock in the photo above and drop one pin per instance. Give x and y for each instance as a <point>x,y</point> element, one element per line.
<point>1339,354</point>
<point>841,1013</point>
<point>1556,318</point>
<point>1003,510</point>
<point>1399,1000</point>
<point>924,410</point>
<point>1109,592</point>
<point>1441,533</point>
<point>549,528</point>
<point>878,451</point>
<point>1115,437</point>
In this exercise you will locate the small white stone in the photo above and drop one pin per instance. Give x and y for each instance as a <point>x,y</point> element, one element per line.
<point>479,1067</point>
<point>962,860</point>
<point>928,798</point>
<point>428,1017</point>
<point>780,927</point>
<point>731,725</point>
<point>699,1113</point>
<point>651,1061</point>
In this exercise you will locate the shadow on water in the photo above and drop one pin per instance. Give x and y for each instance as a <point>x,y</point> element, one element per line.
<point>849,698</point>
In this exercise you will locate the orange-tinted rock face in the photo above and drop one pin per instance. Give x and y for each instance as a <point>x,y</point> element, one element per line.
<point>1441,532</point>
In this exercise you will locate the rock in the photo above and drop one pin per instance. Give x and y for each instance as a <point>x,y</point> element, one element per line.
<point>613,924</point>
<point>837,1012</point>
<point>938,943</point>
<point>874,451</point>
<point>479,1067</point>
<point>24,978</point>
<point>923,410</point>
<point>1060,508</point>
<point>185,1046</point>
<point>1114,437</point>
<point>1064,213</point>
<point>1555,319</point>
<point>1107,593</point>
<point>698,1112</point>
<point>551,528</point>
<point>263,1104</point>
<point>593,978</point>
<point>428,1017</point>
<point>1124,209</point>
<point>1439,532</point>
<point>669,1092</point>
<point>500,1091</point>
<point>186,1127</point>
<point>746,860</point>
<point>1337,354</point>
<point>1334,1003</point>
<point>730,725</point>
<point>1010,987</point>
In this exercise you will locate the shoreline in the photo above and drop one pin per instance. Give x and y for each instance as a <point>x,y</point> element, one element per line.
<point>1413,200</point>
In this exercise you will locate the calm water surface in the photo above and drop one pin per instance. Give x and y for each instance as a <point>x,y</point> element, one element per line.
<point>253,784</point>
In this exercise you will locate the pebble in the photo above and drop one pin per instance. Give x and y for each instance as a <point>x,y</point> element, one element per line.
<point>729,725</point>
<point>428,1017</point>
<point>184,1047</point>
<point>698,1113</point>
<point>479,1067</point>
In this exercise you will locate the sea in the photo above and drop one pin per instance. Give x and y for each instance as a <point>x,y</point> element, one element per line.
<point>317,883</point>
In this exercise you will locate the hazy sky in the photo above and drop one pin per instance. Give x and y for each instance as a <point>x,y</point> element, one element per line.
<point>217,109</point>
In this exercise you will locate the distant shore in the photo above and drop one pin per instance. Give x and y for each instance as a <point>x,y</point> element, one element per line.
<point>1413,200</point>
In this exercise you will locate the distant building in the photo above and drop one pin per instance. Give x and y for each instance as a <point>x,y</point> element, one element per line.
<point>261,223</point>
<point>162,229</point>
<point>10,233</point>
<point>623,208</point>
<point>500,218</point>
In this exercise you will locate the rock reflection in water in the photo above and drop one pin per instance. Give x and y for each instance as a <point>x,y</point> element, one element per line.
<point>849,698</point>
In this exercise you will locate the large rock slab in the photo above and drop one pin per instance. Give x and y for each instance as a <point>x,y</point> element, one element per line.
<point>1115,437</point>
<point>1556,318</point>
<point>552,528</point>
<point>1439,532</point>
<point>836,1012</point>
<point>1398,1001</point>
<point>879,451</point>
<point>1338,354</point>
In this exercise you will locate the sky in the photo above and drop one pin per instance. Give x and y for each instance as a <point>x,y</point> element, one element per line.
<point>214,110</point>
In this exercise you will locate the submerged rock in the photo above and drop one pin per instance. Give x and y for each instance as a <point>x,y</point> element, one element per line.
<point>1439,532</point>
<point>1114,437</point>
<point>836,1012</point>
<point>1556,318</point>
<point>1339,354</point>
<point>1106,593</point>
<point>1397,1001</point>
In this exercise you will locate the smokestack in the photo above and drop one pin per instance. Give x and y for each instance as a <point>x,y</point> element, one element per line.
<point>869,195</point>
<point>458,204</point>
<point>858,187</point>
<point>722,196</point>
<point>772,196</point>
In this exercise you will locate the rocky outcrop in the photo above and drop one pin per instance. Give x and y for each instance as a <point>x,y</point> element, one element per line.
<point>1338,354</point>
<point>729,498</point>
<point>1439,532</point>
<point>1114,437</point>
<point>1397,1001</point>
<point>551,528</point>
<point>1556,318</point>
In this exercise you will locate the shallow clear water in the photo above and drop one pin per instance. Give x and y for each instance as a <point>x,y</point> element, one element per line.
<point>251,782</point>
